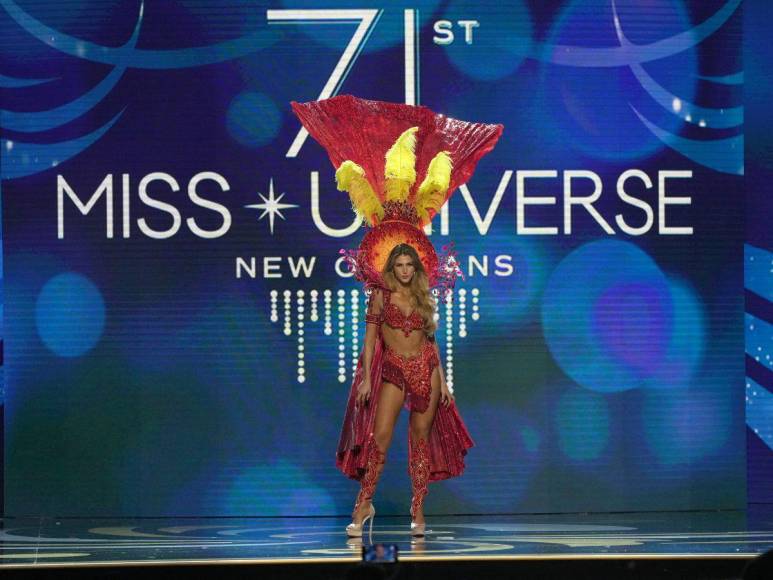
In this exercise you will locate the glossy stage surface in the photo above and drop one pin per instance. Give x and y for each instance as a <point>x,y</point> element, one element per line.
<point>36,542</point>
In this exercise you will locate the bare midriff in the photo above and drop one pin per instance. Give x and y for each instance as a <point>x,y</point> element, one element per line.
<point>407,346</point>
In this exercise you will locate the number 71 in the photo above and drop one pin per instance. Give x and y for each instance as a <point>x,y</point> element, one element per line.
<point>367,19</point>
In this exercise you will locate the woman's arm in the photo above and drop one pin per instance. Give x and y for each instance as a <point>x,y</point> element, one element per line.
<point>373,320</point>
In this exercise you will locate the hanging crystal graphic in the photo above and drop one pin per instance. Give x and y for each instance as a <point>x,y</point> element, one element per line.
<point>451,315</point>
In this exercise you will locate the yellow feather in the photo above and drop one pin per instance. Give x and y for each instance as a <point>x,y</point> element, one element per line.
<point>396,189</point>
<point>432,191</point>
<point>400,166</point>
<point>350,177</point>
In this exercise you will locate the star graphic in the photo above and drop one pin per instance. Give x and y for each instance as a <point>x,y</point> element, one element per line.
<point>271,206</point>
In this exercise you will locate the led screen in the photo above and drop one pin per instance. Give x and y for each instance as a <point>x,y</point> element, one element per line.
<point>180,334</point>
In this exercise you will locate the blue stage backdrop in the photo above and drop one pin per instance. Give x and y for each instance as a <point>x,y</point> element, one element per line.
<point>180,335</point>
<point>758,266</point>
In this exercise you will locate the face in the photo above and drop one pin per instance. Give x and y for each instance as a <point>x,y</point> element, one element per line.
<point>404,269</point>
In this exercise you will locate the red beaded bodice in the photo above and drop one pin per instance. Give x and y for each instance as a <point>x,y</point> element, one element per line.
<point>395,318</point>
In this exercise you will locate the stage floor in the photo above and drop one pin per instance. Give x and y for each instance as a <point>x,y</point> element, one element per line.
<point>35,542</point>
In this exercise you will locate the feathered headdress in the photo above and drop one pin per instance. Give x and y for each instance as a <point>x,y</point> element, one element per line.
<point>399,164</point>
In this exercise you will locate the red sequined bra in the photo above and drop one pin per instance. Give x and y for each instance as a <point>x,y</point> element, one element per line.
<point>394,317</point>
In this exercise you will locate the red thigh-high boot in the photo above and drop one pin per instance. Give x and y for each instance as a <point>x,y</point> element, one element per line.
<point>418,468</point>
<point>374,464</point>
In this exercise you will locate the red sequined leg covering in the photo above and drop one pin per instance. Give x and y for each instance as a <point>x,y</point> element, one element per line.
<point>373,466</point>
<point>418,468</point>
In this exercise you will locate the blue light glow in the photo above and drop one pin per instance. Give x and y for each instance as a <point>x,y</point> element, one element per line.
<point>682,427</point>
<point>497,46</point>
<point>758,271</point>
<point>253,119</point>
<point>759,340</point>
<point>607,315</point>
<point>582,421</point>
<point>759,411</point>
<point>70,314</point>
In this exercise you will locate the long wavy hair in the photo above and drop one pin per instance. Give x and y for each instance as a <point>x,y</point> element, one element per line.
<point>421,299</point>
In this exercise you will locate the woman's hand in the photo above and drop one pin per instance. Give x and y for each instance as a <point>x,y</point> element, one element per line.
<point>363,392</point>
<point>446,398</point>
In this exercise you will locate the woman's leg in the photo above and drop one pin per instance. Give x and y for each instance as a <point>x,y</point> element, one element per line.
<point>418,452</point>
<point>389,403</point>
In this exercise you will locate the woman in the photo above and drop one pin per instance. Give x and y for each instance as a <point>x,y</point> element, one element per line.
<point>401,315</point>
<point>399,163</point>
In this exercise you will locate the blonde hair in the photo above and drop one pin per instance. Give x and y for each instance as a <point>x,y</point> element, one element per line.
<point>420,296</point>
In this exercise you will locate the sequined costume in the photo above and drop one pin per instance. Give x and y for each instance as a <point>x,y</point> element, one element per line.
<point>399,164</point>
<point>449,438</point>
<point>412,374</point>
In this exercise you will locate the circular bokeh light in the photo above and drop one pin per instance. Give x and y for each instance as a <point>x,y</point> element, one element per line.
<point>70,314</point>
<point>253,119</point>
<point>607,316</point>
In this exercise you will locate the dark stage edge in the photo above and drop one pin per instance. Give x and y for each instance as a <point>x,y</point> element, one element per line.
<point>652,544</point>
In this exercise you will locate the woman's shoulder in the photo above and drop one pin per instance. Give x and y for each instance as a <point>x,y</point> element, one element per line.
<point>380,294</point>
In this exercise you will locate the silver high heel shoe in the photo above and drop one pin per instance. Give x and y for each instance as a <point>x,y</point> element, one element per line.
<point>417,530</point>
<point>355,530</point>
